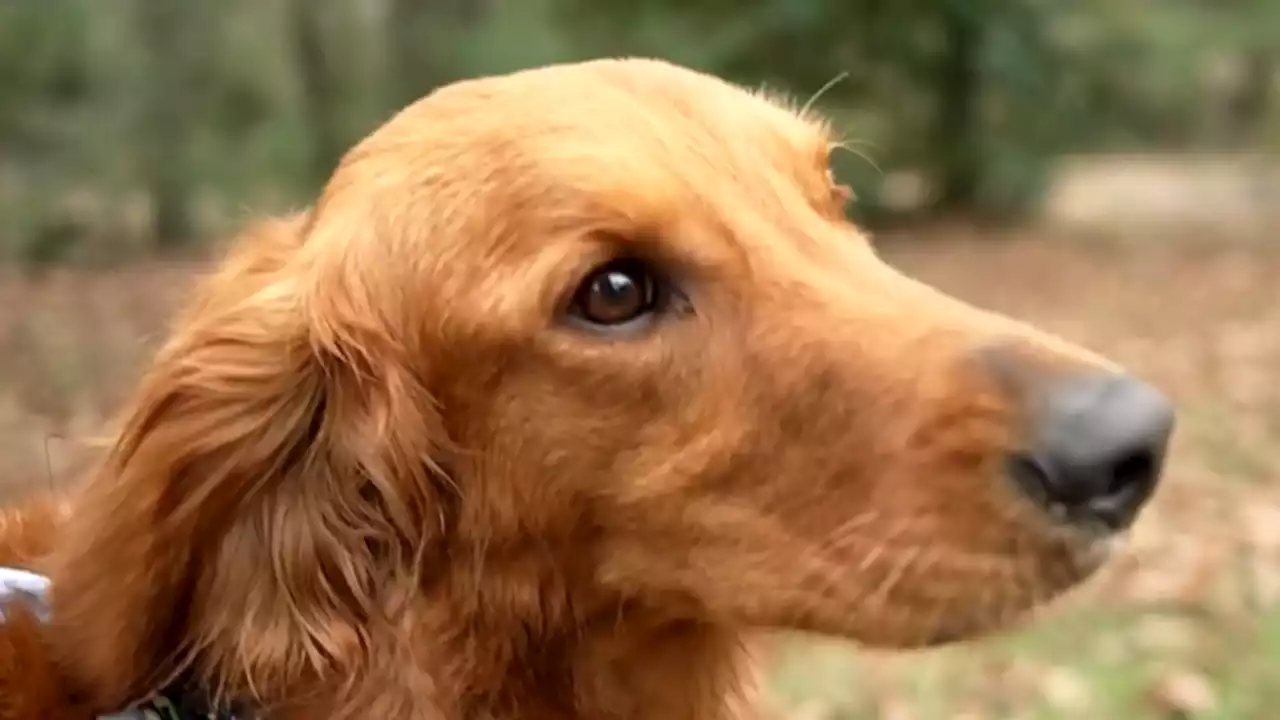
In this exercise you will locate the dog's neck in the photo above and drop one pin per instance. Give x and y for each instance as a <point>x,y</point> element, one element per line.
<point>518,643</point>
<point>680,672</point>
<point>529,638</point>
<point>618,667</point>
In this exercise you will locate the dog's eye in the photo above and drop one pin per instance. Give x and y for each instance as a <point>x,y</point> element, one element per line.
<point>617,293</point>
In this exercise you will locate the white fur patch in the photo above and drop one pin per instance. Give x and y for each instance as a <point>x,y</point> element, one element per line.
<point>28,586</point>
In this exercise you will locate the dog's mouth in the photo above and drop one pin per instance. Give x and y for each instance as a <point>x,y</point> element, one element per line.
<point>1047,575</point>
<point>909,592</point>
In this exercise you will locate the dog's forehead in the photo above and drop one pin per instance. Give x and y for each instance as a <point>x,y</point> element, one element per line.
<point>635,96</point>
<point>633,148</point>
<point>613,130</point>
<point>648,140</point>
<point>645,112</point>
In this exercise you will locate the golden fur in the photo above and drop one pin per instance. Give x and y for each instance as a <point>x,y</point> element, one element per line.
<point>373,474</point>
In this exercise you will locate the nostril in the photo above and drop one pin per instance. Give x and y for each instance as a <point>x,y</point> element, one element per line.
<point>1108,493</point>
<point>1132,472</point>
<point>1033,479</point>
<point>1129,484</point>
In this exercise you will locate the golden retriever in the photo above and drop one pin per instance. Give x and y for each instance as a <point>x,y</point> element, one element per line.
<point>569,379</point>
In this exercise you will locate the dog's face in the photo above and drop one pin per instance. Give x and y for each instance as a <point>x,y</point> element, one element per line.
<point>662,337</point>
<point>609,319</point>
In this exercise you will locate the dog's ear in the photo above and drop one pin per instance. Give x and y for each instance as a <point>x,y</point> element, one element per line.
<point>272,491</point>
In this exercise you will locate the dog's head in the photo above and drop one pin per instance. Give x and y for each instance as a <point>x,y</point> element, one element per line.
<point>576,339</point>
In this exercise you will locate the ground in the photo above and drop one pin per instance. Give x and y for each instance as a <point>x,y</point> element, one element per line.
<point>1185,625</point>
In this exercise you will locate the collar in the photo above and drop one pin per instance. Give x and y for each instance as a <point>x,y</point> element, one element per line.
<point>33,590</point>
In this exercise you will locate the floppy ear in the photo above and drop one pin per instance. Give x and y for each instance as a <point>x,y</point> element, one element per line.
<point>270,496</point>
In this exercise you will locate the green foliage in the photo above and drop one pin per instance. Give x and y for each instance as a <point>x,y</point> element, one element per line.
<point>238,103</point>
<point>1048,77</point>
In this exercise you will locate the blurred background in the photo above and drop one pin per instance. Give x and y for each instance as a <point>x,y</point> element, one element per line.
<point>1104,168</point>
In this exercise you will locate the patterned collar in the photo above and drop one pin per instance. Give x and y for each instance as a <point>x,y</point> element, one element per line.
<point>170,705</point>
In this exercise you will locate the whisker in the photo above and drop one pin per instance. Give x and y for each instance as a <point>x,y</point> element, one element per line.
<point>845,145</point>
<point>808,104</point>
<point>881,595</point>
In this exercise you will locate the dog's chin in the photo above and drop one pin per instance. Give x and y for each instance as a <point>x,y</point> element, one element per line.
<point>1096,552</point>
<point>1090,559</point>
<point>1085,557</point>
<point>957,597</point>
<point>1087,548</point>
<point>1078,557</point>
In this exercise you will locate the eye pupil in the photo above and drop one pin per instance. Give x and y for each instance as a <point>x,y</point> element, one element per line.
<point>617,289</point>
<point>616,293</point>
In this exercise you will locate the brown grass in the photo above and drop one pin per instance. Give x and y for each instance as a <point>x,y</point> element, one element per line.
<point>1182,626</point>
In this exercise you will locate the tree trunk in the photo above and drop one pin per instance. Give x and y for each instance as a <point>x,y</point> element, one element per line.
<point>958,130</point>
<point>422,38</point>
<point>321,95</point>
<point>1250,102</point>
<point>165,34</point>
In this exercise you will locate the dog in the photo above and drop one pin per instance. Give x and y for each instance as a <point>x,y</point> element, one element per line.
<point>569,381</point>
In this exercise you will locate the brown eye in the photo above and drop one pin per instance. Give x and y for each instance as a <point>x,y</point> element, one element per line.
<point>617,293</point>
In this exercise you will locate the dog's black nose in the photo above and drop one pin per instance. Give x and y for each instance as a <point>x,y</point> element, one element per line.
<point>1097,448</point>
